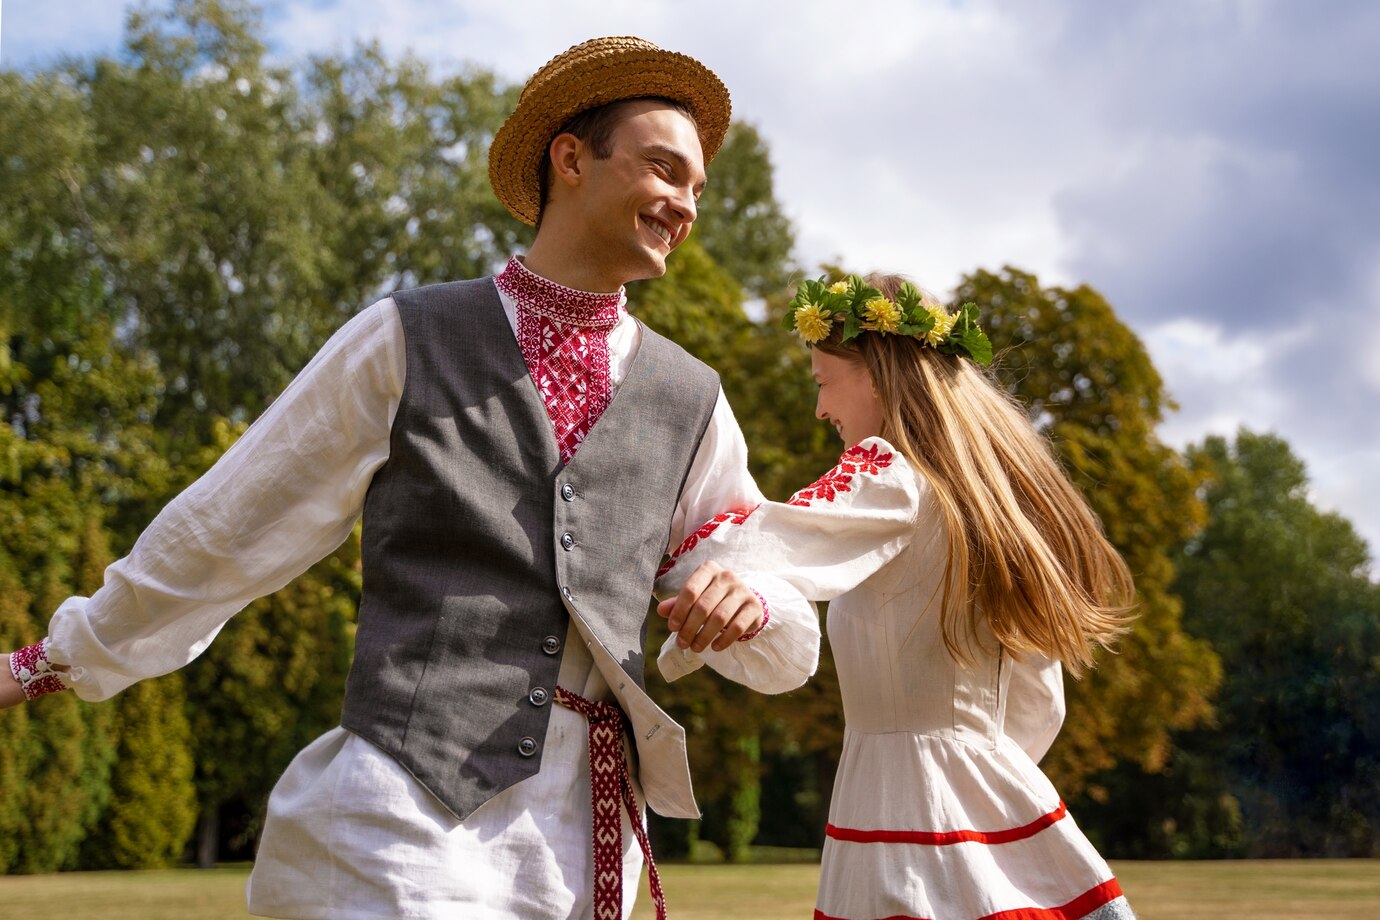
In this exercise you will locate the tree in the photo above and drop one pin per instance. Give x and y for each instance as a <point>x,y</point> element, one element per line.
<point>740,222</point>
<point>76,449</point>
<point>1089,382</point>
<point>152,806</point>
<point>1283,593</point>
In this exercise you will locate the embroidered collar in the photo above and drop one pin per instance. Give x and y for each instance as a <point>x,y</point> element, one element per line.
<point>558,303</point>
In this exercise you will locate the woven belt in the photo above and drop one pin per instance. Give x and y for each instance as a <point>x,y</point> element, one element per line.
<point>609,783</point>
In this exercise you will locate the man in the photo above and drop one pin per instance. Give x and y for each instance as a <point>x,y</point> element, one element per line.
<point>522,453</point>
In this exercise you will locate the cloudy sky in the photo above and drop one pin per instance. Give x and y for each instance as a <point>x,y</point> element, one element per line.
<point>1208,165</point>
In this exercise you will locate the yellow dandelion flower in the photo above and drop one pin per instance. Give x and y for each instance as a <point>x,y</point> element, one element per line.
<point>882,315</point>
<point>943,325</point>
<point>838,287</point>
<point>813,323</point>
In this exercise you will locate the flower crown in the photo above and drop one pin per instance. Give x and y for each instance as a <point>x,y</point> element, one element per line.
<point>862,308</point>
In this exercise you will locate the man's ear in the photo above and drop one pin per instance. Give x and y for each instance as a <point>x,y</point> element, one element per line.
<point>566,152</point>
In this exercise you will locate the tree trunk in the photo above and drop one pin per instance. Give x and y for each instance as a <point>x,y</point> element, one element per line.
<point>208,837</point>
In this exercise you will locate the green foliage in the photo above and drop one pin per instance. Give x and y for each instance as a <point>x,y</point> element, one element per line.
<point>1283,592</point>
<point>152,805</point>
<point>237,212</point>
<point>1088,381</point>
<point>76,448</point>
<point>733,825</point>
<point>741,224</point>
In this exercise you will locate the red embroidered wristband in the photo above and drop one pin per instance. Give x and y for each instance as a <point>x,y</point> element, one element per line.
<point>766,616</point>
<point>35,674</point>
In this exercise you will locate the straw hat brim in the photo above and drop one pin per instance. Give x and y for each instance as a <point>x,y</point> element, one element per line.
<point>594,73</point>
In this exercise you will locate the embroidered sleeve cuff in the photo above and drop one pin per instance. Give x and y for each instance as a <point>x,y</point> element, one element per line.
<point>766,618</point>
<point>36,676</point>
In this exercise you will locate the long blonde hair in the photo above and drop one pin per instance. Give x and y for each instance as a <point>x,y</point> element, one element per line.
<point>1026,553</point>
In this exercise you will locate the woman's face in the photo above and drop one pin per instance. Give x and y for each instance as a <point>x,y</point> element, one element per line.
<point>847,397</point>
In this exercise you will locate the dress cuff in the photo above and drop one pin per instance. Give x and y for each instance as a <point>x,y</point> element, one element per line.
<point>766,618</point>
<point>36,676</point>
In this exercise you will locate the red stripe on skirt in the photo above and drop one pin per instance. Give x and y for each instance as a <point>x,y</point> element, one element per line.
<point>1081,906</point>
<point>947,838</point>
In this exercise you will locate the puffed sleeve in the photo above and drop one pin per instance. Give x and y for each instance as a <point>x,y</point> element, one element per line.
<point>1035,703</point>
<point>822,542</point>
<point>784,654</point>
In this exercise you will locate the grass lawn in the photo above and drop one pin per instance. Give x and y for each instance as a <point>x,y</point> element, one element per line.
<point>1266,890</point>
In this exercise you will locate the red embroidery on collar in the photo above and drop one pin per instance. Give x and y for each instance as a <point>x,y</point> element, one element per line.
<point>556,302</point>
<point>564,337</point>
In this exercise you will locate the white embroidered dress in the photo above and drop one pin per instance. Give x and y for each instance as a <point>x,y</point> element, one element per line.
<point>939,810</point>
<point>351,834</point>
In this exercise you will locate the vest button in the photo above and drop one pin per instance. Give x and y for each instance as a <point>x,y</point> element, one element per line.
<point>567,540</point>
<point>527,747</point>
<point>538,696</point>
<point>551,645</point>
<point>565,592</point>
<point>568,492</point>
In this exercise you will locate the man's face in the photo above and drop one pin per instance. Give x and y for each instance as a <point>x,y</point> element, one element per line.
<point>638,204</point>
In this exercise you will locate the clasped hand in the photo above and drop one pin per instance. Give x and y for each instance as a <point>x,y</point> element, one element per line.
<point>713,609</point>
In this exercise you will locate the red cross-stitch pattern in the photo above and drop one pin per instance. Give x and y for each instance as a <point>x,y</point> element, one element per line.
<point>36,677</point>
<point>564,337</point>
<point>570,366</point>
<point>855,460</point>
<point>610,787</point>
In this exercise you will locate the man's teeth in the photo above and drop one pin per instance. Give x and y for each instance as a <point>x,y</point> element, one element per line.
<point>660,231</point>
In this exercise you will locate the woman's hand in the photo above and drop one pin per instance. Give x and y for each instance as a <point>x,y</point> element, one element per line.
<point>715,607</point>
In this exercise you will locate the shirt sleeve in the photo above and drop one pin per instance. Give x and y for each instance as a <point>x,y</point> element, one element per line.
<point>786,652</point>
<point>1035,703</point>
<point>286,494</point>
<point>826,539</point>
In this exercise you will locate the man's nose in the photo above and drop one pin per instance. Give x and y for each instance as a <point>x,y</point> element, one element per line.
<point>684,205</point>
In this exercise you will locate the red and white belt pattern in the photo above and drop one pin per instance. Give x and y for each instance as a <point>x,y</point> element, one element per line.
<point>611,785</point>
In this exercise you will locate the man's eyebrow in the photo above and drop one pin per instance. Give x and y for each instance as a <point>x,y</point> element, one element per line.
<point>681,159</point>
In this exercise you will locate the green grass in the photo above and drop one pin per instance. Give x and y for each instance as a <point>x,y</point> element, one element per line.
<point>1263,890</point>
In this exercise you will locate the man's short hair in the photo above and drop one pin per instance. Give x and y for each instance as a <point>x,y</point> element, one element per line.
<point>595,128</point>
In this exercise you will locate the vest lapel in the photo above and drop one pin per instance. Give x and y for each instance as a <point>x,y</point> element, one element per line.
<point>507,360</point>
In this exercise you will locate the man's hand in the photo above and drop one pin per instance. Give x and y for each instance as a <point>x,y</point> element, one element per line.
<point>714,608</point>
<point>11,693</point>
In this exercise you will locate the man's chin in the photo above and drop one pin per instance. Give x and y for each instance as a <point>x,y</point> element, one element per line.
<point>654,266</point>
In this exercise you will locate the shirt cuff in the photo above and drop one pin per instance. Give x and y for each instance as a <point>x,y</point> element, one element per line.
<point>36,676</point>
<point>766,618</point>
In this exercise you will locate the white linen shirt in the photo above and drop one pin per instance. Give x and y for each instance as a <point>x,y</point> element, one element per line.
<point>350,833</point>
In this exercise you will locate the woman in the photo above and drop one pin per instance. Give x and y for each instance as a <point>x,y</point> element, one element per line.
<point>963,567</point>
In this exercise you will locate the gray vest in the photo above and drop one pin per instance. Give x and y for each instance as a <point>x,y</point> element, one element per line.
<point>474,532</point>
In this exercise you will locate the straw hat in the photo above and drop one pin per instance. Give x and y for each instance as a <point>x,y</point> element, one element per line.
<point>593,73</point>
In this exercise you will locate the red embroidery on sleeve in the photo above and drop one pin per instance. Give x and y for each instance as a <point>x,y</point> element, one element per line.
<point>705,529</point>
<point>855,460</point>
<point>35,674</point>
